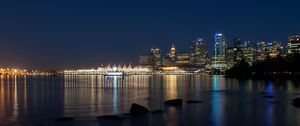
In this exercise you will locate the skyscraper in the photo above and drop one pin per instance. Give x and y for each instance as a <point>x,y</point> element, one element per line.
<point>293,46</point>
<point>156,53</point>
<point>219,52</point>
<point>172,52</point>
<point>199,54</point>
<point>169,58</point>
<point>183,59</point>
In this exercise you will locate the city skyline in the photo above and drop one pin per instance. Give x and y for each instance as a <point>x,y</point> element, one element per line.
<point>63,34</point>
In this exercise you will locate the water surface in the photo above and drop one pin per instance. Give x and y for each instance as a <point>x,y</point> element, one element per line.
<point>32,100</point>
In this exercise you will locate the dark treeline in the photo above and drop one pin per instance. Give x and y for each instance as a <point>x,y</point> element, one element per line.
<point>272,68</point>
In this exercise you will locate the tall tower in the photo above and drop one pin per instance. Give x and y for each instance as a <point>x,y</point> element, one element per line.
<point>219,56</point>
<point>155,52</point>
<point>172,52</point>
<point>199,54</point>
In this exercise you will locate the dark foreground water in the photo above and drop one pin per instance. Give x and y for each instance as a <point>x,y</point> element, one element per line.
<point>33,101</point>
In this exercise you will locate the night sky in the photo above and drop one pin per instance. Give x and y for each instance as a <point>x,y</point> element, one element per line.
<point>59,34</point>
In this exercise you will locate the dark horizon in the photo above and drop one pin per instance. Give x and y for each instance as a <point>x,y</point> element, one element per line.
<point>83,34</point>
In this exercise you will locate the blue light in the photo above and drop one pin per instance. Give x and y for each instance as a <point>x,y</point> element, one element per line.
<point>270,43</point>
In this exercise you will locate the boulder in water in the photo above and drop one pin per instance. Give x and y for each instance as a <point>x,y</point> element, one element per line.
<point>64,119</point>
<point>137,109</point>
<point>296,102</point>
<point>174,102</point>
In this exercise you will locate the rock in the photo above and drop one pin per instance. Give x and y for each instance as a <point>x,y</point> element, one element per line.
<point>110,117</point>
<point>137,109</point>
<point>193,102</point>
<point>296,102</point>
<point>64,119</point>
<point>174,102</point>
<point>158,111</point>
<point>268,96</point>
<point>125,115</point>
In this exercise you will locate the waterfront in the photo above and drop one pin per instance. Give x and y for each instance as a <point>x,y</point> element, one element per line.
<point>35,100</point>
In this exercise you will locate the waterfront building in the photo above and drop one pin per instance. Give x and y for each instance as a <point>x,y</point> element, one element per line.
<point>199,54</point>
<point>275,49</point>
<point>173,53</point>
<point>218,61</point>
<point>183,59</point>
<point>237,49</point>
<point>126,69</point>
<point>144,60</point>
<point>155,56</point>
<point>169,58</point>
<point>268,50</point>
<point>293,46</point>
<point>230,57</point>
<point>260,51</point>
<point>248,54</point>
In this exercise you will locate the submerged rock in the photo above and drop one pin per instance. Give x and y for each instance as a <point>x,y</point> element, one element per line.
<point>110,117</point>
<point>125,115</point>
<point>64,119</point>
<point>296,102</point>
<point>174,102</point>
<point>193,102</point>
<point>158,111</point>
<point>137,109</point>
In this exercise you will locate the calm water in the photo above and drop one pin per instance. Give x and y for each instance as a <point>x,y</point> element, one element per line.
<point>27,100</point>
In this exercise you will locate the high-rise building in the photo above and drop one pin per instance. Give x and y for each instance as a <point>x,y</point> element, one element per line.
<point>237,49</point>
<point>248,54</point>
<point>199,54</point>
<point>169,58</point>
<point>230,57</point>
<point>275,49</point>
<point>172,52</point>
<point>156,53</point>
<point>293,46</point>
<point>260,51</point>
<point>268,50</point>
<point>144,60</point>
<point>218,61</point>
<point>183,59</point>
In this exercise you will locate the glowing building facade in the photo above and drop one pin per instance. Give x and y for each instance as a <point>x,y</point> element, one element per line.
<point>199,54</point>
<point>218,61</point>
<point>293,46</point>
<point>126,69</point>
<point>183,59</point>
<point>155,56</point>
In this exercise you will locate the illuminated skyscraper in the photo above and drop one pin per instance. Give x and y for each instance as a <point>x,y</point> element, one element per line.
<point>268,50</point>
<point>293,46</point>
<point>219,52</point>
<point>172,52</point>
<point>183,59</point>
<point>199,54</point>
<point>230,57</point>
<point>169,58</point>
<point>156,53</point>
<point>260,51</point>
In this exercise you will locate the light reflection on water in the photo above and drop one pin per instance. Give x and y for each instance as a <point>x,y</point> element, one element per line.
<point>38,100</point>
